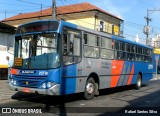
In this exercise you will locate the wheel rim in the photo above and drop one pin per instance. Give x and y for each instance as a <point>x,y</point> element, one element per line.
<point>89,88</point>
<point>139,82</point>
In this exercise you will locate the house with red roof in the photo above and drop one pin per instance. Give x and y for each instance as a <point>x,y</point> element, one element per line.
<point>84,14</point>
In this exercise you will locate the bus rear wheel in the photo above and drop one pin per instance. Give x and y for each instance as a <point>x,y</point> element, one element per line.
<point>138,82</point>
<point>90,89</point>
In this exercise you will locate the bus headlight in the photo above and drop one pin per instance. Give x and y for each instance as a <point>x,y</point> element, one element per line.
<point>44,85</point>
<point>13,82</point>
<point>47,85</point>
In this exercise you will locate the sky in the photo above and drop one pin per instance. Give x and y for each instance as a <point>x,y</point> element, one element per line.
<point>131,11</point>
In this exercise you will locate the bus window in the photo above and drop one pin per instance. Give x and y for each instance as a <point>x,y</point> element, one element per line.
<point>106,43</point>
<point>117,45</point>
<point>122,46</point>
<point>139,57</point>
<point>147,55</point>
<point>109,54</point>
<point>128,48</point>
<point>120,55</point>
<point>130,56</point>
<point>132,48</point>
<point>139,50</point>
<point>107,48</point>
<point>71,47</point>
<point>91,46</point>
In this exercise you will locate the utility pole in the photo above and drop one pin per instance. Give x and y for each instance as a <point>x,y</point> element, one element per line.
<point>147,28</point>
<point>53,9</point>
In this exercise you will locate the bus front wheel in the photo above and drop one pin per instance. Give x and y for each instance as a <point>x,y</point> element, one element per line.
<point>138,82</point>
<point>90,89</point>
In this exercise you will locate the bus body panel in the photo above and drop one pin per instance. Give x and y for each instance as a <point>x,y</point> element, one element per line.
<point>126,72</point>
<point>72,78</point>
<point>68,83</point>
<point>146,69</point>
<point>33,79</point>
<point>38,75</point>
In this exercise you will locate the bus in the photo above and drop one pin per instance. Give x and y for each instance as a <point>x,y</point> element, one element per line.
<point>59,58</point>
<point>156,61</point>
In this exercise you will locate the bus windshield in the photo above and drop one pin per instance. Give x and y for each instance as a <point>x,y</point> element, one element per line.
<point>38,51</point>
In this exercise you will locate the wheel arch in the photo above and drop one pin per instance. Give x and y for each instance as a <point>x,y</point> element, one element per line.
<point>140,73</point>
<point>94,76</point>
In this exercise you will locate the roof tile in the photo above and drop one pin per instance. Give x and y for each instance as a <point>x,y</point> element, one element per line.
<point>74,8</point>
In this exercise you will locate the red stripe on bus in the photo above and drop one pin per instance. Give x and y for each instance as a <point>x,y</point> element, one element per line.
<point>117,67</point>
<point>131,75</point>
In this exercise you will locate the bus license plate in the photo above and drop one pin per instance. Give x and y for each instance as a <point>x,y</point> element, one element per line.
<point>27,90</point>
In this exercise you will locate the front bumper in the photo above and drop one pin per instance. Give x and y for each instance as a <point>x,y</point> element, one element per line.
<point>51,91</point>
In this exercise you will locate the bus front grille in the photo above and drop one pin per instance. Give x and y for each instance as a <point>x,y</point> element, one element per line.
<point>28,83</point>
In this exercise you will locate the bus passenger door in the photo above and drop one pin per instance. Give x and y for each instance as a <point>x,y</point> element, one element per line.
<point>71,47</point>
<point>71,50</point>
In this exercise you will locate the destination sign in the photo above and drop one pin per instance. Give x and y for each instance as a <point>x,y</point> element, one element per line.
<point>18,62</point>
<point>38,27</point>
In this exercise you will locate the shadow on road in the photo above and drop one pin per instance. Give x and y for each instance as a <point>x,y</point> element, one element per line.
<point>58,104</point>
<point>148,104</point>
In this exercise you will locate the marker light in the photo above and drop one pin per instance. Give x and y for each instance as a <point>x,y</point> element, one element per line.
<point>14,71</point>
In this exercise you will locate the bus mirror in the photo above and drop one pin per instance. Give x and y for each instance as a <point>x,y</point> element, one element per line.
<point>9,50</point>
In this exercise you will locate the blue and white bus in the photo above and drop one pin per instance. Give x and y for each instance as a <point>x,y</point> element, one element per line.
<point>59,58</point>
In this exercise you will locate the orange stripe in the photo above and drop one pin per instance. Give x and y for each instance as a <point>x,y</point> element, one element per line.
<point>117,67</point>
<point>131,75</point>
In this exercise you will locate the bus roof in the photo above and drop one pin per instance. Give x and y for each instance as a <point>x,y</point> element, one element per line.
<point>68,24</point>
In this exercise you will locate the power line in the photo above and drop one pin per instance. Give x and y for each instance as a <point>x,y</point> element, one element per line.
<point>15,11</point>
<point>12,4</point>
<point>32,3</point>
<point>127,24</point>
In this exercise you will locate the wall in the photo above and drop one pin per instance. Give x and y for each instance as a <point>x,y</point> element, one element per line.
<point>5,39</point>
<point>85,22</point>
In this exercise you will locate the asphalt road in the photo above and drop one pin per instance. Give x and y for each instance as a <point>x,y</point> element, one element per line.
<point>122,100</point>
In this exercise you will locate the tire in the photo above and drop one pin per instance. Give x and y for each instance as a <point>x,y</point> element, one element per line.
<point>138,82</point>
<point>158,71</point>
<point>90,89</point>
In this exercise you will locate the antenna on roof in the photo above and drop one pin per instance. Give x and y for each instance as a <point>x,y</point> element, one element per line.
<point>54,9</point>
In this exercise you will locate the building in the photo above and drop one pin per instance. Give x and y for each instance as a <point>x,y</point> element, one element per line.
<point>84,14</point>
<point>6,41</point>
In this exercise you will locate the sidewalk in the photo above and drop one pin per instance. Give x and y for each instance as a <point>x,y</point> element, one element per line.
<point>5,92</point>
<point>156,77</point>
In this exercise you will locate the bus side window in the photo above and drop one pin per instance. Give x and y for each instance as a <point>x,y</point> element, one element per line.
<point>65,44</point>
<point>71,47</point>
